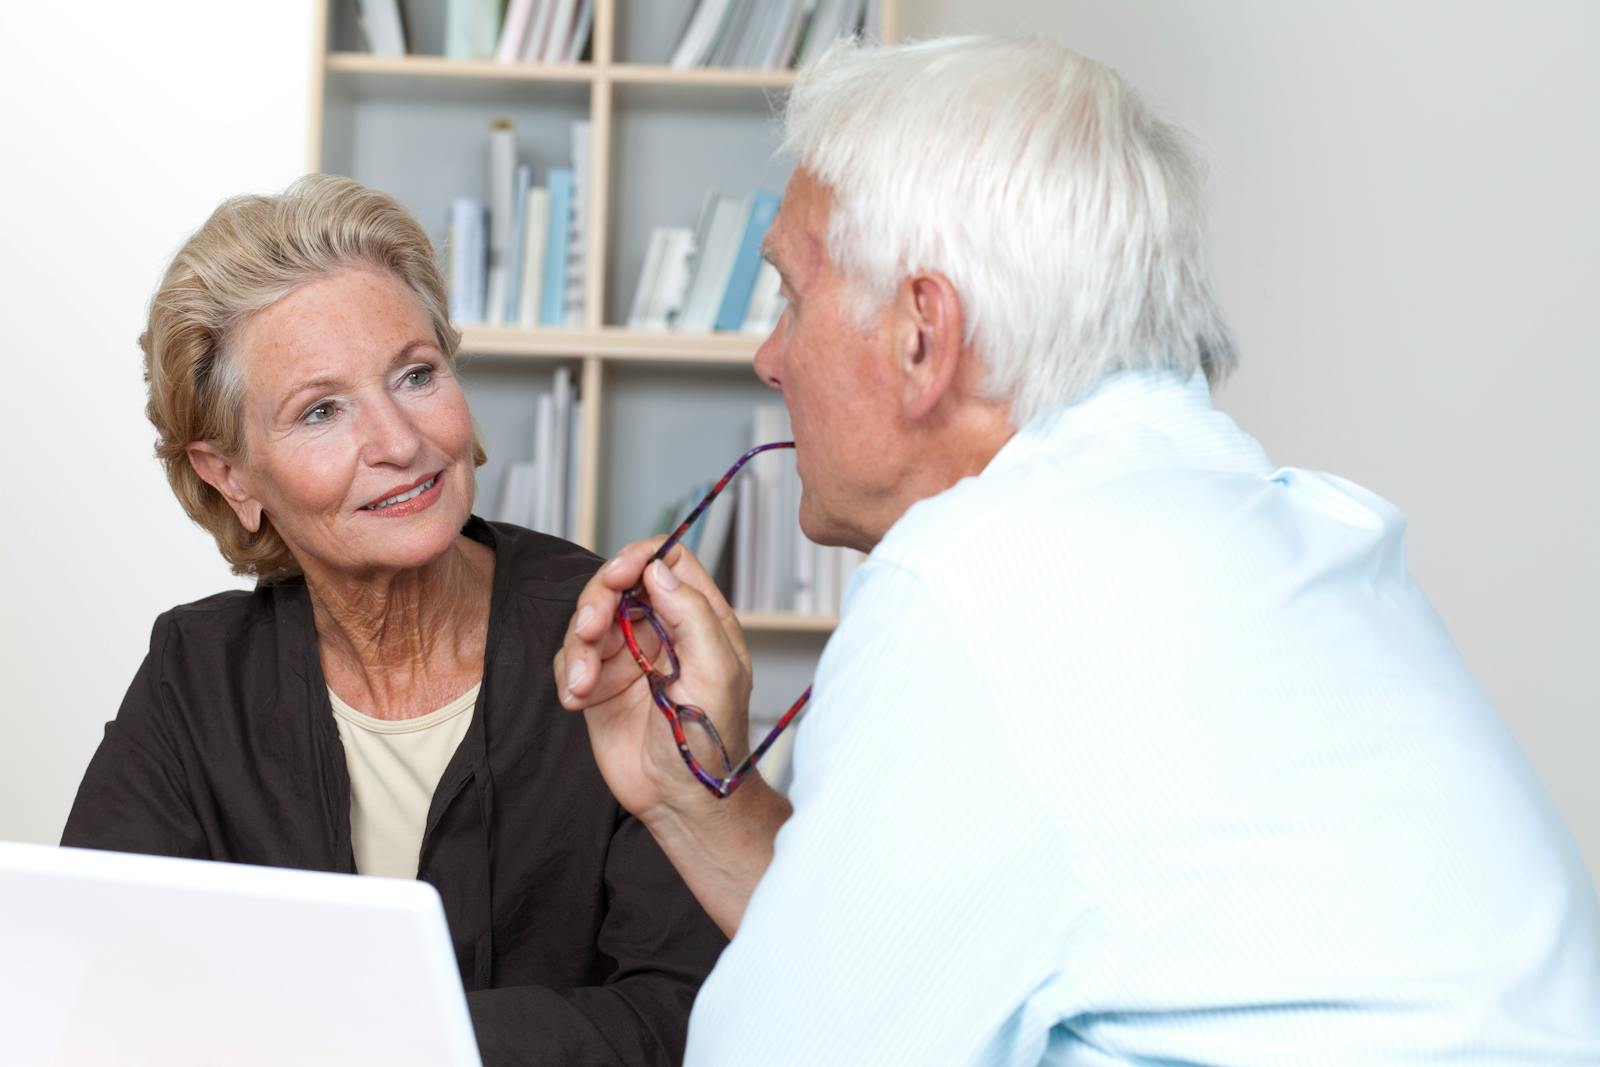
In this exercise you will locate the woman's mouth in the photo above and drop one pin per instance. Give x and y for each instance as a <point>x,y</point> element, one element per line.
<point>417,497</point>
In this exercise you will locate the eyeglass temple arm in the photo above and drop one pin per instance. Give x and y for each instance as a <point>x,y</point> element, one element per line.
<point>722,483</point>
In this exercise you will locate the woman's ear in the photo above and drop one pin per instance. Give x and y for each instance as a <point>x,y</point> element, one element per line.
<point>931,341</point>
<point>220,473</point>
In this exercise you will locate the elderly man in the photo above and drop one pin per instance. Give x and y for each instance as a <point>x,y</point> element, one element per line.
<point>1130,746</point>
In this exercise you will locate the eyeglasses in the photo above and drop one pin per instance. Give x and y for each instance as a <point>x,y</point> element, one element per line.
<point>693,731</point>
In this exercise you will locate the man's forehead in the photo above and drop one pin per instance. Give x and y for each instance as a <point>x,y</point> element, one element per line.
<point>795,241</point>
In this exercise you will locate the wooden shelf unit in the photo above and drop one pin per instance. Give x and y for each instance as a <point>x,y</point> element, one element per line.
<point>345,82</point>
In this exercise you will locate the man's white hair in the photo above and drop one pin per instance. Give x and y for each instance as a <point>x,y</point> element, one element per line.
<point>1067,215</point>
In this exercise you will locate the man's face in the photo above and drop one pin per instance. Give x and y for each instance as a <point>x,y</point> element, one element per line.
<point>835,379</point>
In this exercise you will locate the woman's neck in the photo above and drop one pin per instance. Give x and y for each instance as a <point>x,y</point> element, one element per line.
<point>399,644</point>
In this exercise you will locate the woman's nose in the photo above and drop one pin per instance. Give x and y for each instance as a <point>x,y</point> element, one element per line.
<point>391,438</point>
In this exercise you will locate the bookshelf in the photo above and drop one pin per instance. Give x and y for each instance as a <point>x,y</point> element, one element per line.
<point>661,410</point>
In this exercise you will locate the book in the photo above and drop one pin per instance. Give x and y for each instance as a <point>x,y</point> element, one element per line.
<point>514,32</point>
<point>640,315</point>
<point>552,302</point>
<point>577,239</point>
<point>747,262</point>
<point>382,24</point>
<point>539,32</point>
<point>516,260</point>
<point>555,42</point>
<point>467,260</point>
<point>574,462</point>
<point>502,170</point>
<point>471,28</point>
<point>543,450</point>
<point>663,279</point>
<point>720,230</point>
<point>716,524</point>
<point>583,25</point>
<point>766,301</point>
<point>557,463</point>
<point>700,34</point>
<point>536,220</point>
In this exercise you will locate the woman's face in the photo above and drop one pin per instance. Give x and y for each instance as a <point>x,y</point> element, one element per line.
<point>358,443</point>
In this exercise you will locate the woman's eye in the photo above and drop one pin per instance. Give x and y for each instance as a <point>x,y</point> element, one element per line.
<point>417,377</point>
<point>320,413</point>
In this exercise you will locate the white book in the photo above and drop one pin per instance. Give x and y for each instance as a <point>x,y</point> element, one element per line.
<point>639,317</point>
<point>664,280</point>
<point>716,524</point>
<point>677,271</point>
<point>578,236</point>
<point>380,20</point>
<point>713,265</point>
<point>471,29</point>
<point>774,568</point>
<point>826,24</point>
<point>805,575</point>
<point>536,220</point>
<point>514,33</point>
<point>574,461</point>
<point>766,303</point>
<point>539,32</point>
<point>747,506</point>
<point>787,30</point>
<point>466,260</point>
<point>766,24</point>
<point>555,488</point>
<point>581,28</point>
<point>555,43</point>
<point>724,52</point>
<point>700,34</point>
<point>543,454</point>
<point>519,485</point>
<point>502,180</point>
<point>827,580</point>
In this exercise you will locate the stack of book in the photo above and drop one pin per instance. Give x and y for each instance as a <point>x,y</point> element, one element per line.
<point>770,34</point>
<point>541,492</point>
<point>712,277</point>
<point>750,540</point>
<point>518,259</point>
<point>529,31</point>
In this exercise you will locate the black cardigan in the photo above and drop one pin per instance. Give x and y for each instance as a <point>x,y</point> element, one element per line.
<point>577,941</point>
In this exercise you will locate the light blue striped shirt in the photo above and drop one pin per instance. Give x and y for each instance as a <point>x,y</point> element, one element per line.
<point>1136,750</point>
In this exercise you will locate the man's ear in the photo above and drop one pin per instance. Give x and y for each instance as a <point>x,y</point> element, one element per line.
<point>219,472</point>
<point>931,342</point>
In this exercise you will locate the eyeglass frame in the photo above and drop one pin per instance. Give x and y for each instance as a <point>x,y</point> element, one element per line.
<point>635,600</point>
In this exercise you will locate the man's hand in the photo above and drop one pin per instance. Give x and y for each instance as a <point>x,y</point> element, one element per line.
<point>632,739</point>
<point>721,847</point>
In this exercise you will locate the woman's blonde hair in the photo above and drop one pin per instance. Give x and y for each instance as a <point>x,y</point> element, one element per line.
<point>251,252</point>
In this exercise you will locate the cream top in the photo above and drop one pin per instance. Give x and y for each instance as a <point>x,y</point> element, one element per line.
<point>395,765</point>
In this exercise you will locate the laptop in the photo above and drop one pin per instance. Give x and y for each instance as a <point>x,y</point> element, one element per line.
<point>112,958</point>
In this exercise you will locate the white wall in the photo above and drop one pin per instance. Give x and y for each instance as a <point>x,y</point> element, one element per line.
<point>122,125</point>
<point>1407,238</point>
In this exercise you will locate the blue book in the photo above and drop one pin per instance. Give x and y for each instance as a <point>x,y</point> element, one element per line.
<point>519,235</point>
<point>746,262</point>
<point>553,301</point>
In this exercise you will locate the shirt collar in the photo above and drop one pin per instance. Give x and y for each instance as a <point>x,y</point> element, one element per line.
<point>1156,409</point>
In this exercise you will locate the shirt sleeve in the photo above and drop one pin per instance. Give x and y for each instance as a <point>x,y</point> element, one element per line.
<point>918,894</point>
<point>662,944</point>
<point>133,797</point>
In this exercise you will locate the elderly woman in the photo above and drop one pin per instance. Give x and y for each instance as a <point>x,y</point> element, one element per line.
<point>381,702</point>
